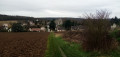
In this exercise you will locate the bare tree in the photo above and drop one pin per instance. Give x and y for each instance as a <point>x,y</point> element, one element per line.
<point>97,32</point>
<point>100,14</point>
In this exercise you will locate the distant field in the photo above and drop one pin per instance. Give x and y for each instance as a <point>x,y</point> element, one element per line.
<point>7,22</point>
<point>25,44</point>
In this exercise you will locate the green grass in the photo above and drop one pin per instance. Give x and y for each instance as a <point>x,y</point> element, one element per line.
<point>72,49</point>
<point>115,34</point>
<point>53,50</point>
<point>69,49</point>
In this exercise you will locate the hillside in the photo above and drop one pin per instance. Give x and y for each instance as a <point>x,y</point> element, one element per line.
<point>11,17</point>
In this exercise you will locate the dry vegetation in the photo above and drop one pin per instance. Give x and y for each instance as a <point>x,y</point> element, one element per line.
<point>96,34</point>
<point>26,44</point>
<point>57,34</point>
<point>7,22</point>
<point>74,36</point>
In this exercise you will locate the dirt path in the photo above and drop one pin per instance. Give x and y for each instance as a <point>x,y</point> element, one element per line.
<point>58,34</point>
<point>62,53</point>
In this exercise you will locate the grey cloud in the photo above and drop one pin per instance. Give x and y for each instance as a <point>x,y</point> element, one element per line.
<point>55,8</point>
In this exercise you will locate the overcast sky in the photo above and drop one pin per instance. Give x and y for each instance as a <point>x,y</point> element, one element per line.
<point>57,8</point>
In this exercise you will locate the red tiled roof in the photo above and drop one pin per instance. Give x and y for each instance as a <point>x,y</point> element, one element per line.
<point>35,29</point>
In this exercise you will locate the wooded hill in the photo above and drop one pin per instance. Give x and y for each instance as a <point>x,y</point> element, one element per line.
<point>13,17</point>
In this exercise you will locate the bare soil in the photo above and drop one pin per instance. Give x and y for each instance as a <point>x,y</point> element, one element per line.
<point>24,44</point>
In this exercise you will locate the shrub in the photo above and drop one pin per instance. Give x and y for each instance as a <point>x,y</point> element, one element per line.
<point>96,32</point>
<point>52,25</point>
<point>67,24</point>
<point>115,34</point>
<point>3,30</point>
<point>17,27</point>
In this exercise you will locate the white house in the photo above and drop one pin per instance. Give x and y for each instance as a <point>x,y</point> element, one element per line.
<point>48,29</point>
<point>31,23</point>
<point>43,29</point>
<point>9,30</point>
<point>113,26</point>
<point>5,26</point>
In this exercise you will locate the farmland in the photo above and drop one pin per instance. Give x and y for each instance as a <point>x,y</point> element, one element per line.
<point>7,22</point>
<point>41,44</point>
<point>24,44</point>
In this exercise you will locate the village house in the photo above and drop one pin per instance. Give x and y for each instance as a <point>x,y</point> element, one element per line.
<point>24,24</point>
<point>43,29</point>
<point>9,30</point>
<point>5,26</point>
<point>34,29</point>
<point>113,26</point>
<point>48,29</point>
<point>31,23</point>
<point>59,27</point>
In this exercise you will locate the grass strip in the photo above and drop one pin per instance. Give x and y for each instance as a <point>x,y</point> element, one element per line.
<point>53,50</point>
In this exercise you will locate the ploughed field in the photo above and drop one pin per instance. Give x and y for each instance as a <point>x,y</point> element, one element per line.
<point>24,44</point>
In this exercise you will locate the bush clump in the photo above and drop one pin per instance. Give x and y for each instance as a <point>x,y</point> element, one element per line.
<point>96,33</point>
